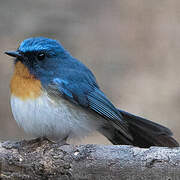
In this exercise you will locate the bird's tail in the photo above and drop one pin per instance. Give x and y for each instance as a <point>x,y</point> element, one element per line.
<point>145,133</point>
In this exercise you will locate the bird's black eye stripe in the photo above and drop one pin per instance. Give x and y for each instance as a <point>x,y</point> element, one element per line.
<point>41,56</point>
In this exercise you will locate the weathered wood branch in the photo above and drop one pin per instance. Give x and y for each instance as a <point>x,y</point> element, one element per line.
<point>44,160</point>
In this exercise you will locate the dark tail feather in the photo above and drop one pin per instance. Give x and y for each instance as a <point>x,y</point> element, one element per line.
<point>145,133</point>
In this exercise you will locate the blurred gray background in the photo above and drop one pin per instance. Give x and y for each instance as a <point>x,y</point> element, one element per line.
<point>133,47</point>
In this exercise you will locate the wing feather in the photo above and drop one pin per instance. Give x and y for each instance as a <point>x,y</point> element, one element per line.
<point>91,97</point>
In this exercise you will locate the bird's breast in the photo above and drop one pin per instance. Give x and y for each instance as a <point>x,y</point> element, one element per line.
<point>54,119</point>
<point>23,84</point>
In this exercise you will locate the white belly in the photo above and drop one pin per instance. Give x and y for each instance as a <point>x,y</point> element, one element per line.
<point>43,117</point>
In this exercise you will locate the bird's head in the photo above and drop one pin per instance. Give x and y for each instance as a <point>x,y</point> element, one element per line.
<point>40,55</point>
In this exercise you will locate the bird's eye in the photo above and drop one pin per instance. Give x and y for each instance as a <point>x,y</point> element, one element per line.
<point>40,56</point>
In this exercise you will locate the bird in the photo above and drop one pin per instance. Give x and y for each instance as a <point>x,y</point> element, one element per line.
<point>54,95</point>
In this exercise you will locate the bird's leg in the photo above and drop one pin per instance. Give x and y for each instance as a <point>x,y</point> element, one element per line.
<point>62,142</point>
<point>41,139</point>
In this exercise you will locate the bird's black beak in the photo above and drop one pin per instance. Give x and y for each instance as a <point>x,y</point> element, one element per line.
<point>15,54</point>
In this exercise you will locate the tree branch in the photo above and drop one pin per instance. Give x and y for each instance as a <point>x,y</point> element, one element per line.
<point>44,160</point>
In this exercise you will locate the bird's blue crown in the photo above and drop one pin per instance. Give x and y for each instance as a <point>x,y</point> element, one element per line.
<point>40,44</point>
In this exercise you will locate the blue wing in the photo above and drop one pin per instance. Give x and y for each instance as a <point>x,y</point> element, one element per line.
<point>86,93</point>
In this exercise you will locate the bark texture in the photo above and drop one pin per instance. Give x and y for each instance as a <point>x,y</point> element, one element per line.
<point>31,160</point>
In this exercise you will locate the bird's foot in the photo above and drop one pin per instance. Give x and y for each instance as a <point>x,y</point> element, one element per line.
<point>40,140</point>
<point>63,141</point>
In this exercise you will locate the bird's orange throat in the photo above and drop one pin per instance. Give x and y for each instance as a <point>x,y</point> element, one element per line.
<point>23,84</point>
